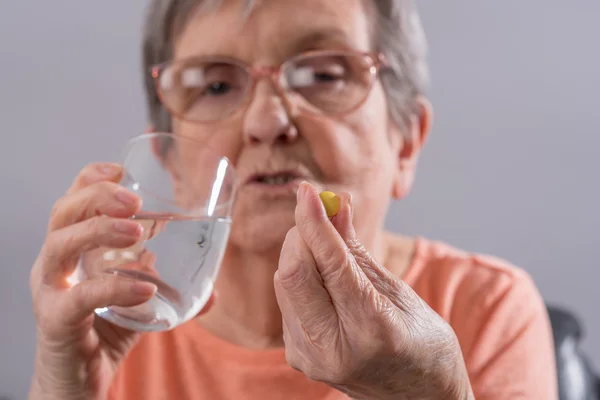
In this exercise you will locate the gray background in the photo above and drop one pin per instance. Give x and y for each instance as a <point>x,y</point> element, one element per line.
<point>511,167</point>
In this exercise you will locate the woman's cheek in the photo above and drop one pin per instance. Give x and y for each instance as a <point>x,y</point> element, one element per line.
<point>224,138</point>
<point>335,148</point>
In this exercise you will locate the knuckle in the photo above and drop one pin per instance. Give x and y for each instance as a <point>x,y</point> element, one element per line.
<point>86,175</point>
<point>78,294</point>
<point>57,207</point>
<point>50,247</point>
<point>100,192</point>
<point>58,250</point>
<point>293,276</point>
<point>333,263</point>
<point>92,170</point>
<point>81,293</point>
<point>97,225</point>
<point>330,254</point>
<point>69,242</point>
<point>293,271</point>
<point>319,331</point>
<point>104,186</point>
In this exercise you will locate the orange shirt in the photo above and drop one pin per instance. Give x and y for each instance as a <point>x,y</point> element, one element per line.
<point>494,308</point>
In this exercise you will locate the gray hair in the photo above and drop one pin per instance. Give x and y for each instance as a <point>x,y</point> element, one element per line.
<point>397,33</point>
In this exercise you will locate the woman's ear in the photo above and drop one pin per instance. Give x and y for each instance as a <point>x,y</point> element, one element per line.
<point>412,142</point>
<point>164,152</point>
<point>159,147</point>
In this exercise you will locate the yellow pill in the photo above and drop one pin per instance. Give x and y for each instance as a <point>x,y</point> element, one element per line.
<point>331,202</point>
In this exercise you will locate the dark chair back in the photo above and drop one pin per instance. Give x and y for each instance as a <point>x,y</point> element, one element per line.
<point>576,378</point>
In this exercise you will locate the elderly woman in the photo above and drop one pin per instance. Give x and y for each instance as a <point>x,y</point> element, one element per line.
<point>301,96</point>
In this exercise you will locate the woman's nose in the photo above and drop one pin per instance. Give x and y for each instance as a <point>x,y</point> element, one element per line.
<point>267,118</point>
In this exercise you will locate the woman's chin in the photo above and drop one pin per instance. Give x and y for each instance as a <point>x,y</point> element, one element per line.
<point>261,233</point>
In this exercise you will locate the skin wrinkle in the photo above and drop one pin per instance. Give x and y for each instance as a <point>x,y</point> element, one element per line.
<point>432,343</point>
<point>384,282</point>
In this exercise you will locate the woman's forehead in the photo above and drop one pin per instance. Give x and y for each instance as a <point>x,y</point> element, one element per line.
<point>277,28</point>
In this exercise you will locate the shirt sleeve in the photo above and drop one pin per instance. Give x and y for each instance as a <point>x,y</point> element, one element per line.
<point>508,345</point>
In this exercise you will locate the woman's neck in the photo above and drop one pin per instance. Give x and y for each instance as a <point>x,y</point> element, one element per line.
<point>246,312</point>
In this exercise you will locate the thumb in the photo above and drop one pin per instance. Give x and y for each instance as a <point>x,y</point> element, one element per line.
<point>342,276</point>
<point>324,242</point>
<point>89,295</point>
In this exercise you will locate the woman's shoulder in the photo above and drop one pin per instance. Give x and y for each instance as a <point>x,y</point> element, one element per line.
<point>497,313</point>
<point>450,279</point>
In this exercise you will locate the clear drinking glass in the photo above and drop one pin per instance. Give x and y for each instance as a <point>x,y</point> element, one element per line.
<point>187,192</point>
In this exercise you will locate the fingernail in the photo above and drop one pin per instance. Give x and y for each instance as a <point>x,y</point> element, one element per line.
<point>127,197</point>
<point>128,227</point>
<point>301,191</point>
<point>143,288</point>
<point>109,169</point>
<point>350,204</point>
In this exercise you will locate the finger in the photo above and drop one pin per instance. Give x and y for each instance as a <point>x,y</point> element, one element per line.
<point>309,338</point>
<point>382,279</point>
<point>334,261</point>
<point>110,290</point>
<point>300,291</point>
<point>94,173</point>
<point>63,247</point>
<point>102,198</point>
<point>342,221</point>
<point>316,329</point>
<point>295,338</point>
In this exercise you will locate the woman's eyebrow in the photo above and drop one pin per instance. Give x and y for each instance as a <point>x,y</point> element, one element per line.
<point>316,36</point>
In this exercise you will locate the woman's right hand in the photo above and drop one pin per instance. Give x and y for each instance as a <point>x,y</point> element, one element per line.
<point>78,353</point>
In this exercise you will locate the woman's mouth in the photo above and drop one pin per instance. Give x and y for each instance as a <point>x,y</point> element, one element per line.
<point>276,183</point>
<point>279,179</point>
<point>275,179</point>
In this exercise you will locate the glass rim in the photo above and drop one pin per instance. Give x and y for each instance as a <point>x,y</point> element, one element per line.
<point>231,171</point>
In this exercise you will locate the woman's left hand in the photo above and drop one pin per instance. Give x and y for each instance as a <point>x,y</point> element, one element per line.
<point>349,322</point>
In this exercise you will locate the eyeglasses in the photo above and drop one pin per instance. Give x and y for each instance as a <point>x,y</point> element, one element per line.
<point>207,89</point>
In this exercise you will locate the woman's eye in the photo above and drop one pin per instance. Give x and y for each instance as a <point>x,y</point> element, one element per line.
<point>331,72</point>
<point>326,77</point>
<point>218,88</point>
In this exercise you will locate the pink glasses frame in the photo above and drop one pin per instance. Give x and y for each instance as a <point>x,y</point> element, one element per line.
<point>375,61</point>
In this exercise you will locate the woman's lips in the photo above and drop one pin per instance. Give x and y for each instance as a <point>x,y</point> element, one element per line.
<point>274,178</point>
<point>278,183</point>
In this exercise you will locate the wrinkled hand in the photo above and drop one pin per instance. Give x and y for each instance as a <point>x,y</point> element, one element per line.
<point>77,353</point>
<point>351,323</point>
